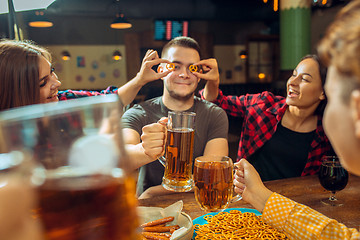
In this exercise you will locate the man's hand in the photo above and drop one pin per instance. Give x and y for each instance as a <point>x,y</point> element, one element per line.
<point>153,139</point>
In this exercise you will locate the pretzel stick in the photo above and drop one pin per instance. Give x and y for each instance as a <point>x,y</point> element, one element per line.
<point>160,229</point>
<point>149,235</point>
<point>157,222</point>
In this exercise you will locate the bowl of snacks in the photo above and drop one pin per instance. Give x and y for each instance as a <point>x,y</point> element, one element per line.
<point>234,223</point>
<point>167,223</point>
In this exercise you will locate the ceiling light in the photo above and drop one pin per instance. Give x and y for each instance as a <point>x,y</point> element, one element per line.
<point>117,55</point>
<point>261,76</point>
<point>243,54</point>
<point>65,55</point>
<point>120,22</point>
<point>40,21</point>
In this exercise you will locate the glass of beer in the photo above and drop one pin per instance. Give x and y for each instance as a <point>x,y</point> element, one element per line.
<point>213,180</point>
<point>85,192</point>
<point>178,159</point>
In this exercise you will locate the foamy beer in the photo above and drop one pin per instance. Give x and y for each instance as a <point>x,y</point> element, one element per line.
<point>178,160</point>
<point>213,180</point>
<point>85,192</point>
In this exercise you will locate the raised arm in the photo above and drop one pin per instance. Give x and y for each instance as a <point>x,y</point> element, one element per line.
<point>128,91</point>
<point>210,73</point>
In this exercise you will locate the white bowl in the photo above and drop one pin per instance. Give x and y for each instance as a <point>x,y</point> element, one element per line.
<point>186,230</point>
<point>185,221</point>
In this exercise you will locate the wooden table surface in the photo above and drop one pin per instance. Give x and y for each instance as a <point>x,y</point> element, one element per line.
<point>306,190</point>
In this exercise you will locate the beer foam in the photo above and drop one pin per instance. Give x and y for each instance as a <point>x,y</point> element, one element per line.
<point>94,153</point>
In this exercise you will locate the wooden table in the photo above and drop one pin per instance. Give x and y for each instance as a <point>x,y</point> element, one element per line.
<point>306,190</point>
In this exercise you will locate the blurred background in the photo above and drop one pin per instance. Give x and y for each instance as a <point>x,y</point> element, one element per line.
<point>257,43</point>
<point>244,35</point>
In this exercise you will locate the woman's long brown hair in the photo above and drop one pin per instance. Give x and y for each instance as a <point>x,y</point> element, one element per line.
<point>19,73</point>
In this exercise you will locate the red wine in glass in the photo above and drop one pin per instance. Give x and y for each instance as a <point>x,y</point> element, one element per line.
<point>333,177</point>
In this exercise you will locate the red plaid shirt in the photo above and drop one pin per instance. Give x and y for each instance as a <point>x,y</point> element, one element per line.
<point>72,94</point>
<point>261,113</point>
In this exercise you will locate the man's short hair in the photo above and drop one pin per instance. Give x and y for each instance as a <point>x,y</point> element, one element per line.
<point>186,42</point>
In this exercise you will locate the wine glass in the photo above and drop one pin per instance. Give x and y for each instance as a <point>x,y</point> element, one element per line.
<point>333,177</point>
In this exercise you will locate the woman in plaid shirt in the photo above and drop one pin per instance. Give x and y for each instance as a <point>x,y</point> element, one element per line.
<point>282,137</point>
<point>339,49</point>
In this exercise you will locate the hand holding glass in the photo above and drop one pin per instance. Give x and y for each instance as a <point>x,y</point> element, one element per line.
<point>213,180</point>
<point>178,160</point>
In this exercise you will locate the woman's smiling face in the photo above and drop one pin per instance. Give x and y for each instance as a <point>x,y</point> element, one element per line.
<point>48,82</point>
<point>304,87</point>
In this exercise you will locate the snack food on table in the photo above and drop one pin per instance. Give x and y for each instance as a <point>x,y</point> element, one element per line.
<point>158,222</point>
<point>157,230</point>
<point>236,225</point>
<point>162,217</point>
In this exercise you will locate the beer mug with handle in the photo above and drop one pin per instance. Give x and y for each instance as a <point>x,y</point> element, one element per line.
<point>86,192</point>
<point>213,180</point>
<point>178,159</point>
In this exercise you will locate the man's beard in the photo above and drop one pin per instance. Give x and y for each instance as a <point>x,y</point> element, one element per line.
<point>178,97</point>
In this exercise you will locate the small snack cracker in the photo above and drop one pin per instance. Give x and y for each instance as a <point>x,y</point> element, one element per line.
<point>193,68</point>
<point>170,66</point>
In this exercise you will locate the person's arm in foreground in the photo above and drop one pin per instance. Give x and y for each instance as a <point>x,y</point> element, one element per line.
<point>17,199</point>
<point>128,91</point>
<point>210,73</point>
<point>297,221</point>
